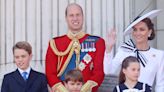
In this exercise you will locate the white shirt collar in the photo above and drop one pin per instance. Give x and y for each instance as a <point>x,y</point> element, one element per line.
<point>27,70</point>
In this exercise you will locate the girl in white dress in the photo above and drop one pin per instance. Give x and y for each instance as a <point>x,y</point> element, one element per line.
<point>151,59</point>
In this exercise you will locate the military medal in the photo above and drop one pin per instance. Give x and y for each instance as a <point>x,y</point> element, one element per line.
<point>91,66</point>
<point>93,48</point>
<point>82,66</point>
<point>90,47</point>
<point>86,48</point>
<point>82,47</point>
<point>87,58</point>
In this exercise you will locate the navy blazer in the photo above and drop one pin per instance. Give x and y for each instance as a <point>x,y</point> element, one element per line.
<point>14,82</point>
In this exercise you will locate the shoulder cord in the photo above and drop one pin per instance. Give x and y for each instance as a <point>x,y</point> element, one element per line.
<point>73,46</point>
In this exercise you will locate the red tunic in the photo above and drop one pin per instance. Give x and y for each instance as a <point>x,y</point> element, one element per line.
<point>62,43</point>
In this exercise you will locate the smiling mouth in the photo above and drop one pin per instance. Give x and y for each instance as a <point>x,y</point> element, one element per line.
<point>75,23</point>
<point>138,37</point>
<point>21,64</point>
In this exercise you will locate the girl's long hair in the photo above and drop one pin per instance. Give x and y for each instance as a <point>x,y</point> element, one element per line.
<point>125,64</point>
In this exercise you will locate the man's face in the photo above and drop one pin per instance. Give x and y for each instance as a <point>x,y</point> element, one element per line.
<point>73,86</point>
<point>22,58</point>
<point>74,18</point>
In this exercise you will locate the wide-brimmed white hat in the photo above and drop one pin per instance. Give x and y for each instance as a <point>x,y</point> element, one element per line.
<point>150,15</point>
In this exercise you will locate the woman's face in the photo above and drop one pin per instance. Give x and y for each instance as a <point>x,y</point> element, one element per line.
<point>141,33</point>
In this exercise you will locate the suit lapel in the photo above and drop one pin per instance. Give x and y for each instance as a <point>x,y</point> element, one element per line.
<point>32,77</point>
<point>17,76</point>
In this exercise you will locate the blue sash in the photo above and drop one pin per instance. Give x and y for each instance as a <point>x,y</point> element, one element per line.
<point>89,41</point>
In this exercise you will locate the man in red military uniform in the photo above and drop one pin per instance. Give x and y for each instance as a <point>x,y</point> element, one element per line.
<point>78,50</point>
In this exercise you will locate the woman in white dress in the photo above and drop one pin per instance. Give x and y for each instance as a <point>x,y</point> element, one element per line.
<point>151,59</point>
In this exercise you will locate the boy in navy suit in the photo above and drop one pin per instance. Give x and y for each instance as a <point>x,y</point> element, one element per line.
<point>24,79</point>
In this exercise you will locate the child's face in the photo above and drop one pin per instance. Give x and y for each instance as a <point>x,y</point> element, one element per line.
<point>132,71</point>
<point>73,86</point>
<point>22,58</point>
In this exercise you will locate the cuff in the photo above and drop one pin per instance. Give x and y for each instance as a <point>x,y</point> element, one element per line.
<point>59,87</point>
<point>87,87</point>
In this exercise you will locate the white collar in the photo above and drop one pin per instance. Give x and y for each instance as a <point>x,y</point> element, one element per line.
<point>27,70</point>
<point>131,90</point>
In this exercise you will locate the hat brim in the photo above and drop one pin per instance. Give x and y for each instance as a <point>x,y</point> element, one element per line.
<point>150,15</point>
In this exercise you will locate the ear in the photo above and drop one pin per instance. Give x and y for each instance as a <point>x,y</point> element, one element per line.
<point>124,71</point>
<point>66,19</point>
<point>31,56</point>
<point>150,32</point>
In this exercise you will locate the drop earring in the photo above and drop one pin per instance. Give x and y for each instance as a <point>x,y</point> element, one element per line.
<point>149,35</point>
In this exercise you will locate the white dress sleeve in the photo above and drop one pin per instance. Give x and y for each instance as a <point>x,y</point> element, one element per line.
<point>107,61</point>
<point>159,87</point>
<point>113,65</point>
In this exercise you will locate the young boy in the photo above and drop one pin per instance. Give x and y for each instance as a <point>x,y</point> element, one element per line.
<point>73,80</point>
<point>24,79</point>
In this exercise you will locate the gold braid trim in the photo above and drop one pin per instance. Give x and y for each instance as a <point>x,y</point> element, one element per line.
<point>59,87</point>
<point>66,63</point>
<point>60,60</point>
<point>73,46</point>
<point>77,52</point>
<point>78,35</point>
<point>55,50</point>
<point>87,87</point>
<point>58,53</point>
